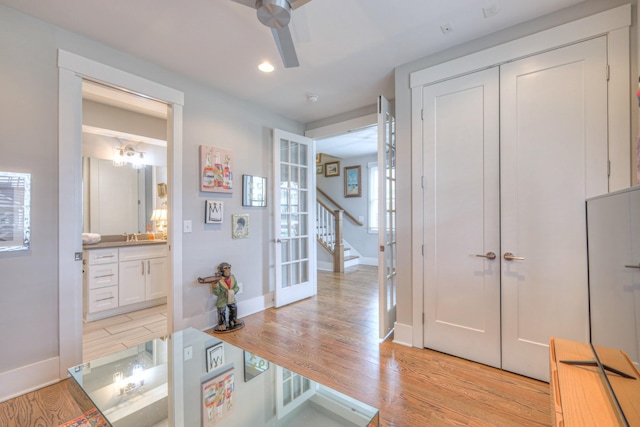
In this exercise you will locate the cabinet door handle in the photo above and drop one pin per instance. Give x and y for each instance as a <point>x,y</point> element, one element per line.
<point>104,275</point>
<point>632,266</point>
<point>104,256</point>
<point>148,267</point>
<point>142,264</point>
<point>104,299</point>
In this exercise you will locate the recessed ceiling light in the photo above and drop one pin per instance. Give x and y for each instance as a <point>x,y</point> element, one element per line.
<point>266,67</point>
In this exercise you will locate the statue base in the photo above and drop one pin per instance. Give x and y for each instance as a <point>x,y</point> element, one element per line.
<point>223,329</point>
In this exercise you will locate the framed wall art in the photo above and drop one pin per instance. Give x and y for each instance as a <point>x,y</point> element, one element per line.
<point>215,356</point>
<point>162,190</point>
<point>254,191</point>
<point>319,169</point>
<point>239,226</point>
<point>213,211</point>
<point>332,169</point>
<point>216,170</point>
<point>352,181</point>
<point>15,211</point>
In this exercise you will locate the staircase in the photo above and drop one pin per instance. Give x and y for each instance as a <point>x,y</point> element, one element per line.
<point>329,235</point>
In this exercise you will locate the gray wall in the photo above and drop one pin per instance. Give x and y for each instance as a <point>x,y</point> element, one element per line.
<point>357,236</point>
<point>28,143</point>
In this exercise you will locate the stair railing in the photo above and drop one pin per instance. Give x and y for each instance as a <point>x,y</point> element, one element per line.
<point>329,233</point>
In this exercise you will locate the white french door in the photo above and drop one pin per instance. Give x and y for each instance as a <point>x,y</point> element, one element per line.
<point>294,215</point>
<point>386,216</point>
<point>461,222</point>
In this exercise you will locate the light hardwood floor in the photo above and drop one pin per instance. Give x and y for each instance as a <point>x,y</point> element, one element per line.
<point>332,338</point>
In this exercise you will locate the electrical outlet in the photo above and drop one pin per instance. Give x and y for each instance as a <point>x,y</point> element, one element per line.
<point>188,226</point>
<point>188,352</point>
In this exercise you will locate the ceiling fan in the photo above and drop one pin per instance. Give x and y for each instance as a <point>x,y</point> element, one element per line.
<point>276,14</point>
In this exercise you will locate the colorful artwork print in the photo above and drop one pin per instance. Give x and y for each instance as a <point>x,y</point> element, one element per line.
<point>216,172</point>
<point>217,397</point>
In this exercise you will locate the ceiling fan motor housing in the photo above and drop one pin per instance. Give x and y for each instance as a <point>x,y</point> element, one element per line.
<point>274,13</point>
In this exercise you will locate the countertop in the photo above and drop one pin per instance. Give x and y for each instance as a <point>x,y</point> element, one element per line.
<point>123,244</point>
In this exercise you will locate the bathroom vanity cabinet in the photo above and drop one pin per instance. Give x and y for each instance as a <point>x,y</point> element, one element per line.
<point>118,280</point>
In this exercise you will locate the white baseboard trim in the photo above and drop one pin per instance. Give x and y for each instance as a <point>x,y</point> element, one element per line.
<point>402,334</point>
<point>369,261</point>
<point>324,265</point>
<point>255,305</point>
<point>29,378</point>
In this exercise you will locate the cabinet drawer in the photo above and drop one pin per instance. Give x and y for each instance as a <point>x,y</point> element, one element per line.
<point>103,299</point>
<point>102,256</point>
<point>143,252</point>
<point>100,276</point>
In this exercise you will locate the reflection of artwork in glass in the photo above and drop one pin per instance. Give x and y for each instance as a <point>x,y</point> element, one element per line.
<point>216,173</point>
<point>239,226</point>
<point>254,191</point>
<point>217,398</point>
<point>253,366</point>
<point>213,212</point>
<point>352,186</point>
<point>15,203</point>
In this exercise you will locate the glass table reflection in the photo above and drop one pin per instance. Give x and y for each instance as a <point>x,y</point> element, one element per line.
<point>191,378</point>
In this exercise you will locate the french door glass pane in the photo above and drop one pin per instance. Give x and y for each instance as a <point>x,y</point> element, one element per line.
<point>295,273</point>
<point>295,177</point>
<point>284,150</point>
<point>302,197</point>
<point>304,252</point>
<point>303,155</point>
<point>294,197</point>
<point>304,271</point>
<point>284,225</point>
<point>295,250</point>
<point>284,176</point>
<point>286,276</point>
<point>295,148</point>
<point>303,225</point>
<point>285,253</point>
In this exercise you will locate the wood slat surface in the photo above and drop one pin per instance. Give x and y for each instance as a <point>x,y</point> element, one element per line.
<point>332,338</point>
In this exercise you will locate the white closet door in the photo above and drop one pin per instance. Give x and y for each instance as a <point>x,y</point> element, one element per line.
<point>461,205</point>
<point>553,157</point>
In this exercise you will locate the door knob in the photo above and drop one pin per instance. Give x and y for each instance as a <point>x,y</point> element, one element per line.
<point>278,241</point>
<point>632,266</point>
<point>510,257</point>
<point>488,255</point>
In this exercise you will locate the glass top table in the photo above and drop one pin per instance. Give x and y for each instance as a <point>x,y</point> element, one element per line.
<point>191,379</point>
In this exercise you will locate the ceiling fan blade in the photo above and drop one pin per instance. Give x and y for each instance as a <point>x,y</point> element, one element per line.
<point>296,3</point>
<point>248,3</point>
<point>286,48</point>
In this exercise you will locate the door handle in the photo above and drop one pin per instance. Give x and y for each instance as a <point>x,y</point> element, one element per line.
<point>510,257</point>
<point>488,255</point>
<point>632,266</point>
<point>278,241</point>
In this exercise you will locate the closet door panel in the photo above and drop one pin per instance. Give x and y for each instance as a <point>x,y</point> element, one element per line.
<point>553,156</point>
<point>461,205</point>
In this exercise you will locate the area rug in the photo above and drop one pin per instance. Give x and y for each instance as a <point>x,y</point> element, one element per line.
<point>91,418</point>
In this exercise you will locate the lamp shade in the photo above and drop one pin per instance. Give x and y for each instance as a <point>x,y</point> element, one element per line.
<point>159,215</point>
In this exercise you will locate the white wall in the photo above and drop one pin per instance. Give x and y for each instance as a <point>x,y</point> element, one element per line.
<point>28,143</point>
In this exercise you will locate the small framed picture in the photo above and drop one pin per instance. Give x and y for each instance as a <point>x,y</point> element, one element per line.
<point>318,158</point>
<point>332,169</point>
<point>213,210</point>
<point>319,169</point>
<point>162,190</point>
<point>239,226</point>
<point>215,356</point>
<point>254,191</point>
<point>352,181</point>
<point>253,366</point>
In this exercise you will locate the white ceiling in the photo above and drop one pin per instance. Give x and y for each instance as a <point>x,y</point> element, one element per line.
<point>347,49</point>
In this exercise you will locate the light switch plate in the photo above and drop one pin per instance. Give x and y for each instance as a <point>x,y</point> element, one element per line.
<point>188,226</point>
<point>188,352</point>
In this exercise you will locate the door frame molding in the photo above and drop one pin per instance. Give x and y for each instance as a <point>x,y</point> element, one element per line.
<point>614,24</point>
<point>72,70</point>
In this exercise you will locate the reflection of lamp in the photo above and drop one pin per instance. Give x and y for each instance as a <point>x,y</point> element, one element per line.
<point>160,218</point>
<point>134,382</point>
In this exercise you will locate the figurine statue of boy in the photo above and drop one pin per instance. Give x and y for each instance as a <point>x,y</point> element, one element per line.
<point>225,286</point>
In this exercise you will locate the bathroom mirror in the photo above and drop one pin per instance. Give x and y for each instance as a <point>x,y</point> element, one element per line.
<point>121,199</point>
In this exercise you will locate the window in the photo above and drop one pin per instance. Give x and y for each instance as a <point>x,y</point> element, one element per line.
<point>372,224</point>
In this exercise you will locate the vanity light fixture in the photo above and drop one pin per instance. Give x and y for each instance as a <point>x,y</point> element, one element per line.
<point>128,155</point>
